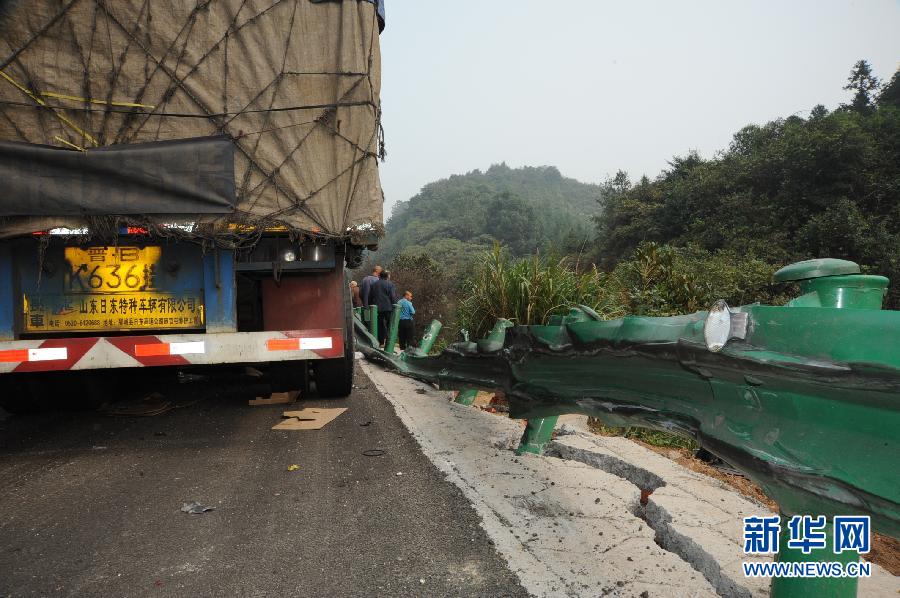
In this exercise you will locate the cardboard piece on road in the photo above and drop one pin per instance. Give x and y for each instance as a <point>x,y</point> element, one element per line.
<point>277,398</point>
<point>311,418</point>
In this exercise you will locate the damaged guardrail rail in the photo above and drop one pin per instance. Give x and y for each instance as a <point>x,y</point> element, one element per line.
<point>804,399</point>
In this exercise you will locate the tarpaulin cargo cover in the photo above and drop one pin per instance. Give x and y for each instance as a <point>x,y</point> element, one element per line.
<point>293,85</point>
<point>165,177</point>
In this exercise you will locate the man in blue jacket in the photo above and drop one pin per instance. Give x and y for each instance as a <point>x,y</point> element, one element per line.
<point>384,295</point>
<point>406,332</point>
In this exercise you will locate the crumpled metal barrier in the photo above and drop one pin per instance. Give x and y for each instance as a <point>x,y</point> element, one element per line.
<point>803,400</point>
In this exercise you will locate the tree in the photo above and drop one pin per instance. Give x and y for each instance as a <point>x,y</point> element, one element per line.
<point>890,94</point>
<point>784,191</point>
<point>432,286</point>
<point>511,220</point>
<point>864,85</point>
<point>818,111</point>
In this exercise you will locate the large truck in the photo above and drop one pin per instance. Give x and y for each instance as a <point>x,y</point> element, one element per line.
<point>183,185</point>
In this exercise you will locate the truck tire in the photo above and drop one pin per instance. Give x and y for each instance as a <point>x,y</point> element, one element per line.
<point>96,389</point>
<point>334,377</point>
<point>17,395</point>
<point>286,376</point>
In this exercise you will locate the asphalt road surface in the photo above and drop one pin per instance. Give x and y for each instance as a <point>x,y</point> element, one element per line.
<point>90,505</point>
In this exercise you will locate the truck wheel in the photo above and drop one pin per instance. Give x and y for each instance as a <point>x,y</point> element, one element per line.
<point>15,396</point>
<point>95,389</point>
<point>22,393</point>
<point>334,377</point>
<point>286,376</point>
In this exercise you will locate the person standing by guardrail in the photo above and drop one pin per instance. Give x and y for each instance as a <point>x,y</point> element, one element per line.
<point>355,295</point>
<point>407,330</point>
<point>384,295</point>
<point>365,288</point>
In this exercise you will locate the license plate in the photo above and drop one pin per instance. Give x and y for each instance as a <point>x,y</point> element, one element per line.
<point>111,269</point>
<point>112,289</point>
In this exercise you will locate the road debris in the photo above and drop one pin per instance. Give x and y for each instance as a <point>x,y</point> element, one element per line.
<point>276,398</point>
<point>566,430</point>
<point>195,508</point>
<point>149,406</point>
<point>293,467</point>
<point>373,453</point>
<point>311,418</point>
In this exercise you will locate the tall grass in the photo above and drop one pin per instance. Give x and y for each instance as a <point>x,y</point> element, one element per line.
<point>658,280</point>
<point>529,290</point>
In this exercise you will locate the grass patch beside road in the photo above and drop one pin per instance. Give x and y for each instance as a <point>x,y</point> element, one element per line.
<point>651,437</point>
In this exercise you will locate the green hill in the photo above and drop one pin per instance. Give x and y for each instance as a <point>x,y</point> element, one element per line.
<point>526,209</point>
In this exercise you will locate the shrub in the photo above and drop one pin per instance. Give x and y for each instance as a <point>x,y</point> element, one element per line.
<point>433,288</point>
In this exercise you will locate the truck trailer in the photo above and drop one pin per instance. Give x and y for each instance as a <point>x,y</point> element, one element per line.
<point>184,185</point>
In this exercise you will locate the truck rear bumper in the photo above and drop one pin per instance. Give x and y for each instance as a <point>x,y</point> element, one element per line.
<point>95,353</point>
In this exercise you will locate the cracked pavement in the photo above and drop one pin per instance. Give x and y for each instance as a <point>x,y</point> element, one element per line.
<point>571,523</point>
<point>566,528</point>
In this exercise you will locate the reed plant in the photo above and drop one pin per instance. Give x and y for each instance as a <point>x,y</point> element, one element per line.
<point>657,280</point>
<point>529,290</point>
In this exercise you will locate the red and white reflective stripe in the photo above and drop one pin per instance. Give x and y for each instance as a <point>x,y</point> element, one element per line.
<point>40,354</point>
<point>156,349</point>
<point>312,343</point>
<point>144,350</point>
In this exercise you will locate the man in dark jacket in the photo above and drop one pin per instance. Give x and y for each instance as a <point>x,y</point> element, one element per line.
<point>384,295</point>
<point>365,289</point>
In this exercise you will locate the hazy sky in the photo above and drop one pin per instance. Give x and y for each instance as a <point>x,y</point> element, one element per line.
<point>592,86</point>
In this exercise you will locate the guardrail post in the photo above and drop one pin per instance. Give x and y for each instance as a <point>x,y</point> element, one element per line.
<point>538,433</point>
<point>829,587</point>
<point>496,337</point>
<point>431,334</point>
<point>394,327</point>
<point>466,397</point>
<point>371,313</point>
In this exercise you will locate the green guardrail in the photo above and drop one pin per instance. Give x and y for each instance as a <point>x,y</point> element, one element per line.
<point>804,399</point>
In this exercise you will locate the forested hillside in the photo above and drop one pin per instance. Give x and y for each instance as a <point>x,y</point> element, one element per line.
<point>827,185</point>
<point>525,209</point>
